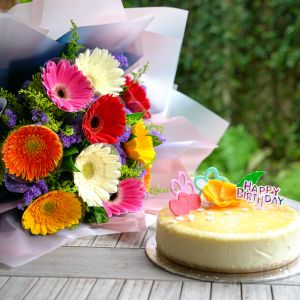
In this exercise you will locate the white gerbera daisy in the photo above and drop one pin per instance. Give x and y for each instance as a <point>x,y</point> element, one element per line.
<point>99,172</point>
<point>102,70</point>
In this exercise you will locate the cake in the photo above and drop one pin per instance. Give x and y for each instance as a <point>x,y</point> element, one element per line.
<point>232,239</point>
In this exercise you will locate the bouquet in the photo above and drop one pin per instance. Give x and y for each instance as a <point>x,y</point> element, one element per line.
<point>77,141</point>
<point>80,142</point>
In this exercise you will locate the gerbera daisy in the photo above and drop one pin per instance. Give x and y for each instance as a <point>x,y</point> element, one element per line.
<point>129,198</point>
<point>105,120</point>
<point>32,152</point>
<point>102,70</point>
<point>140,148</point>
<point>51,212</point>
<point>135,97</point>
<point>99,172</point>
<point>66,86</point>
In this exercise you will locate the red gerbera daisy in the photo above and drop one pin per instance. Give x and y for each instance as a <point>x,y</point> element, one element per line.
<point>105,120</point>
<point>135,97</point>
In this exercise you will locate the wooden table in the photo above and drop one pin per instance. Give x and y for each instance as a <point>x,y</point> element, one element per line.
<point>116,267</point>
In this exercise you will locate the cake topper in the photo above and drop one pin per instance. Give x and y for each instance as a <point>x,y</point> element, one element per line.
<point>184,191</point>
<point>200,181</point>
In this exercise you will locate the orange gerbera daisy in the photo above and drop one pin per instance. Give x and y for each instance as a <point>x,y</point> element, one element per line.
<point>51,212</point>
<point>32,152</point>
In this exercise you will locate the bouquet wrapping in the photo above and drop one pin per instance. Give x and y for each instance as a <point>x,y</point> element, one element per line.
<point>90,137</point>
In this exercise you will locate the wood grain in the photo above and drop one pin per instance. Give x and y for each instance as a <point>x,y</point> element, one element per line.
<point>108,263</point>
<point>166,290</point>
<point>76,288</point>
<point>256,291</point>
<point>281,292</point>
<point>131,240</point>
<point>106,241</point>
<point>226,291</point>
<point>3,279</point>
<point>17,287</point>
<point>46,289</point>
<point>196,291</point>
<point>82,242</point>
<point>106,289</point>
<point>136,290</point>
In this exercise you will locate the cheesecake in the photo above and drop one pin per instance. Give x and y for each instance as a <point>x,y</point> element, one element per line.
<point>237,239</point>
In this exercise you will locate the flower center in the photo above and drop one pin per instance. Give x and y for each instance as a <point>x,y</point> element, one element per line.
<point>88,170</point>
<point>61,92</point>
<point>95,122</point>
<point>49,207</point>
<point>113,197</point>
<point>34,145</point>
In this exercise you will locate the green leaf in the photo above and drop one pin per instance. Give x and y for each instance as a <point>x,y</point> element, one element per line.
<point>156,141</point>
<point>70,151</point>
<point>95,214</point>
<point>253,177</point>
<point>133,118</point>
<point>68,165</point>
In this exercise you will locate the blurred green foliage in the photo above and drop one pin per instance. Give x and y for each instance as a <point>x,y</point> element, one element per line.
<point>241,59</point>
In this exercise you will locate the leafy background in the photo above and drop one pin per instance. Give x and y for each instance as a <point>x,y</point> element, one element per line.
<point>241,59</point>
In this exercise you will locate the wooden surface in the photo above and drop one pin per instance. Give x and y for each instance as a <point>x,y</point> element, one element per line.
<point>116,267</point>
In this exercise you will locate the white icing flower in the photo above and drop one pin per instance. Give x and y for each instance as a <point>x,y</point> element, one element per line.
<point>102,70</point>
<point>99,172</point>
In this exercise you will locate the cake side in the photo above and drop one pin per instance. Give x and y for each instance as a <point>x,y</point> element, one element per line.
<point>198,241</point>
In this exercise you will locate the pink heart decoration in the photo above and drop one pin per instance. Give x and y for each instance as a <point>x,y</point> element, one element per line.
<point>184,204</point>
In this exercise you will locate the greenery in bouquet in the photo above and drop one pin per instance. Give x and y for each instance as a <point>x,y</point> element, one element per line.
<point>77,142</point>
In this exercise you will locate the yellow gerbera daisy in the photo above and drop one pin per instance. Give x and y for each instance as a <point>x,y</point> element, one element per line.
<point>140,148</point>
<point>99,172</point>
<point>102,70</point>
<point>51,212</point>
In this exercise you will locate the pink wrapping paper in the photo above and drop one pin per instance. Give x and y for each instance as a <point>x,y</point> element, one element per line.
<point>18,246</point>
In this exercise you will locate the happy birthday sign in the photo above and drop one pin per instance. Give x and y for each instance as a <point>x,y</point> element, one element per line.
<point>259,194</point>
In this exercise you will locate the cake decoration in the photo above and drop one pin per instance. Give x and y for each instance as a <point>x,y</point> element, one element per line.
<point>184,191</point>
<point>211,173</point>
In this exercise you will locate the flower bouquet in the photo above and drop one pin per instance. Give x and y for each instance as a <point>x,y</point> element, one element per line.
<point>80,141</point>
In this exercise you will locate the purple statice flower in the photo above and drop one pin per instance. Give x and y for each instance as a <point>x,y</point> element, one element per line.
<point>122,59</point>
<point>37,189</point>
<point>15,186</point>
<point>39,117</point>
<point>126,135</point>
<point>20,206</point>
<point>44,118</point>
<point>75,138</point>
<point>121,152</point>
<point>159,136</point>
<point>127,111</point>
<point>42,186</point>
<point>12,118</point>
<point>143,173</point>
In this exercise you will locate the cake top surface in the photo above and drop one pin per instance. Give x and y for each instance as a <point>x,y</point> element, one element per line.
<point>243,218</point>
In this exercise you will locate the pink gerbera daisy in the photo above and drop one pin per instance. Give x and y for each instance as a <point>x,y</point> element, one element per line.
<point>129,198</point>
<point>66,86</point>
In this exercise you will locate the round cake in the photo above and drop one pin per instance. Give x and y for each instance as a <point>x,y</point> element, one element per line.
<point>237,239</point>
